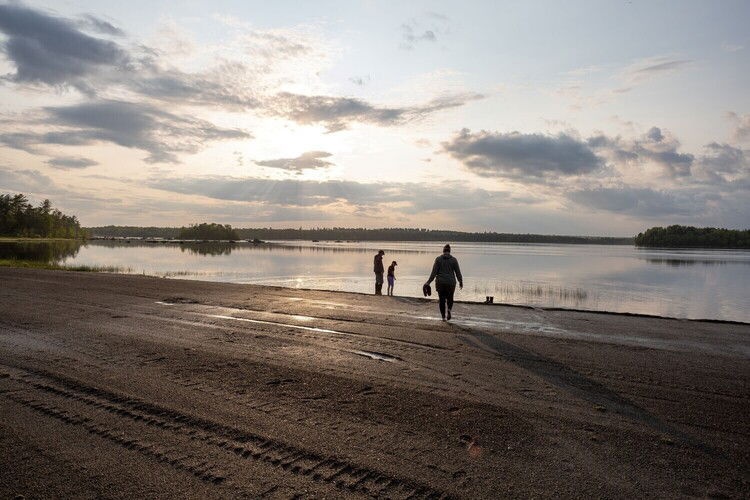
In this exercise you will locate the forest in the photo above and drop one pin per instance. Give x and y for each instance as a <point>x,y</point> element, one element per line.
<point>208,231</point>
<point>693,237</point>
<point>362,234</point>
<point>19,218</point>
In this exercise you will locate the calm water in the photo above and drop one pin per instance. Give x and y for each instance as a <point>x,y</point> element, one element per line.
<point>682,283</point>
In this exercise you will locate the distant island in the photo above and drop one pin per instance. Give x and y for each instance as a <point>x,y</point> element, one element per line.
<point>354,234</point>
<point>693,237</point>
<point>20,219</point>
<point>210,231</point>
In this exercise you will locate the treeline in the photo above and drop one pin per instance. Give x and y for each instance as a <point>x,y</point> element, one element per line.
<point>210,231</point>
<point>414,234</point>
<point>19,218</point>
<point>135,232</point>
<point>689,236</point>
<point>362,234</point>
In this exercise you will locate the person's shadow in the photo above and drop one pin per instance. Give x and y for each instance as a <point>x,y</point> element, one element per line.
<point>579,385</point>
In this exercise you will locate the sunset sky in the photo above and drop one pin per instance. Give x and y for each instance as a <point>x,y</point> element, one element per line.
<point>585,117</point>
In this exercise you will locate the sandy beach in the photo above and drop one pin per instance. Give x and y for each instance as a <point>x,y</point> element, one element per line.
<point>121,386</point>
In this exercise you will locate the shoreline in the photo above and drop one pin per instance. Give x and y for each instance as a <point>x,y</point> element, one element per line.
<point>503,304</point>
<point>10,263</point>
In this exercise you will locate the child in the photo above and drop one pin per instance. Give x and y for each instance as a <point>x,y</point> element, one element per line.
<point>391,277</point>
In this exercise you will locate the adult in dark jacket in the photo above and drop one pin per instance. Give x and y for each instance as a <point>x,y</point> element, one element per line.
<point>379,270</point>
<point>445,272</point>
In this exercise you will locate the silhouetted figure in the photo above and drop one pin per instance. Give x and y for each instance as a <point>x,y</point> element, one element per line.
<point>391,277</point>
<point>379,270</point>
<point>444,272</point>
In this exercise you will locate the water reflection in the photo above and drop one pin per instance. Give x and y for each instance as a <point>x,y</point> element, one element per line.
<point>215,248</point>
<point>209,248</point>
<point>40,251</point>
<point>692,262</point>
<point>683,283</point>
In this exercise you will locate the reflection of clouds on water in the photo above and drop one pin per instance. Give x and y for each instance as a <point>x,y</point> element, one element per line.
<point>616,278</point>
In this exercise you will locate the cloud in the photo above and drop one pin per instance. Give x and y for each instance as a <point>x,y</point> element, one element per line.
<point>226,212</point>
<point>100,26</point>
<point>263,60</point>
<point>287,192</point>
<point>334,112</point>
<point>25,181</point>
<point>360,80</point>
<point>724,166</point>
<point>337,113</point>
<point>426,29</point>
<point>711,191</point>
<point>653,67</point>
<point>724,158</point>
<point>676,164</point>
<point>652,146</point>
<point>54,51</point>
<point>655,134</point>
<point>239,158</point>
<point>51,50</point>
<point>128,124</point>
<point>227,85</point>
<point>407,198</point>
<point>250,68</point>
<point>275,44</point>
<point>411,36</point>
<point>583,96</point>
<point>629,200</point>
<point>533,157</point>
<point>741,132</point>
<point>310,160</point>
<point>66,162</point>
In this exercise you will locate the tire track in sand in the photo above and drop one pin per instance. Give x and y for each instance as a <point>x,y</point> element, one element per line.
<point>314,466</point>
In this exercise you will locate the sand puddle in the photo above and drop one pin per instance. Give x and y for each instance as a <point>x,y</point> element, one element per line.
<point>277,323</point>
<point>379,356</point>
<point>297,317</point>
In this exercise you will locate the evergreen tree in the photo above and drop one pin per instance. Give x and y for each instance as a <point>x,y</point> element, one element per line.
<point>20,218</point>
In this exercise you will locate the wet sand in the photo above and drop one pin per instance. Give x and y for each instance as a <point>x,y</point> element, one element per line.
<point>115,386</point>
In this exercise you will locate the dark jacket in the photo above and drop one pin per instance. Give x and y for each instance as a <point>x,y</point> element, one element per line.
<point>446,270</point>
<point>378,266</point>
<point>392,270</point>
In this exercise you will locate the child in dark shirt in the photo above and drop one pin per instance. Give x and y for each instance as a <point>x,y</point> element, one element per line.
<point>391,277</point>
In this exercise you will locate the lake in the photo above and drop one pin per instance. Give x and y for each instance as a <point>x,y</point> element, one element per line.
<point>686,283</point>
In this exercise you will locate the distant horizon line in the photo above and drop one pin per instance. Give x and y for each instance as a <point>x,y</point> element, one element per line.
<point>369,230</point>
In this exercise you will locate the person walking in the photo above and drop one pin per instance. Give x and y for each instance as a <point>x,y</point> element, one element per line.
<point>379,270</point>
<point>445,272</point>
<point>391,277</point>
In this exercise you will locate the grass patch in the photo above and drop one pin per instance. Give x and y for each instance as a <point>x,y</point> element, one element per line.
<point>35,264</point>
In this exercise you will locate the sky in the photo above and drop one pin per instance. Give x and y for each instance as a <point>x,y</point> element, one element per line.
<point>582,117</point>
